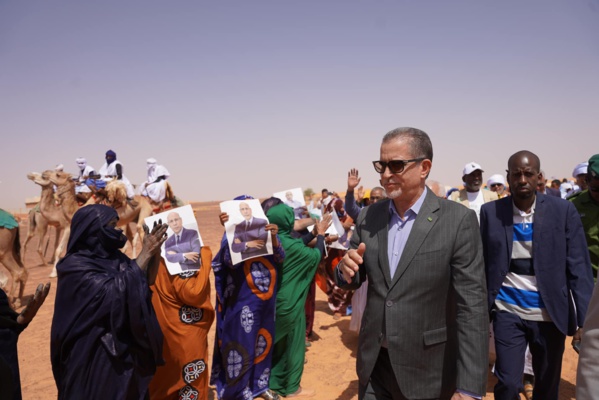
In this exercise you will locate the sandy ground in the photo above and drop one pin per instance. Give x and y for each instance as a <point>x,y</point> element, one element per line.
<point>330,369</point>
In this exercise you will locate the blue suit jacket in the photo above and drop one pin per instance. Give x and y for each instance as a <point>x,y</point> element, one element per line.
<point>560,256</point>
<point>255,231</point>
<point>190,242</point>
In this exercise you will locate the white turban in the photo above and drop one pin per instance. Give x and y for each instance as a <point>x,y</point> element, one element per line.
<point>81,162</point>
<point>151,163</point>
<point>564,188</point>
<point>581,168</point>
<point>497,178</point>
<point>59,168</point>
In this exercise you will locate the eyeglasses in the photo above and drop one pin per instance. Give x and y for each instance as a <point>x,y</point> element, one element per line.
<point>494,185</point>
<point>395,166</point>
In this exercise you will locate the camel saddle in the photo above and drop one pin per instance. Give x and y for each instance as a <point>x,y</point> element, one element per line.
<point>7,220</point>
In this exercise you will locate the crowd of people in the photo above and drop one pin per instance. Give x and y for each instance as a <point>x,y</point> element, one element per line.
<point>440,285</point>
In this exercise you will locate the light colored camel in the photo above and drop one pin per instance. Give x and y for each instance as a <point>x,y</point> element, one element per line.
<point>116,196</point>
<point>52,212</point>
<point>10,257</point>
<point>38,225</point>
<point>65,193</point>
<point>136,211</point>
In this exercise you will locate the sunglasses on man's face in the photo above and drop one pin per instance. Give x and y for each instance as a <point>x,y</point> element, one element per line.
<point>494,185</point>
<point>395,166</point>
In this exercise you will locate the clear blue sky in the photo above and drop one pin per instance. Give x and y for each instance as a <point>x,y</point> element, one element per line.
<point>260,96</point>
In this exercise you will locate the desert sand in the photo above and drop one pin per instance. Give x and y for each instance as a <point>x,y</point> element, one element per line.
<point>330,367</point>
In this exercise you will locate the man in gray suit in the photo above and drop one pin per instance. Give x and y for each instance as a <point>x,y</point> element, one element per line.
<point>425,329</point>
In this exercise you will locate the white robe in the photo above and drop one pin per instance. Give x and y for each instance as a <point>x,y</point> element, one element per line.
<point>81,187</point>
<point>110,170</point>
<point>156,191</point>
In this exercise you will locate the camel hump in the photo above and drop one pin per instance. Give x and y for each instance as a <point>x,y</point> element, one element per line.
<point>116,192</point>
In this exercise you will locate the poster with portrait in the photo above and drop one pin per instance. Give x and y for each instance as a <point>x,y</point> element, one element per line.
<point>181,250</point>
<point>294,198</point>
<point>245,229</point>
<point>343,242</point>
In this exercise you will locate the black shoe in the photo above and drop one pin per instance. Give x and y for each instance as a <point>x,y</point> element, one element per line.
<point>269,395</point>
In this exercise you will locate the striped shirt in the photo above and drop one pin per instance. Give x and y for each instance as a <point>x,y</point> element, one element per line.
<point>519,292</point>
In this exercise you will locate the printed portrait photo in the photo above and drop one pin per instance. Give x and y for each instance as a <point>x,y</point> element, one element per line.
<point>294,198</point>
<point>245,229</point>
<point>181,250</point>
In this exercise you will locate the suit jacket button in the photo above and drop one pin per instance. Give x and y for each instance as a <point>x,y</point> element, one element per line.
<point>389,303</point>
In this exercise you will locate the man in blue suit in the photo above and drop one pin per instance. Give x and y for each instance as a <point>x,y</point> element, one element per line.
<point>250,235</point>
<point>183,246</point>
<point>538,269</point>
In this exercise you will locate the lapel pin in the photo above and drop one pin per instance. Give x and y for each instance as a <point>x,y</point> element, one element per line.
<point>430,219</point>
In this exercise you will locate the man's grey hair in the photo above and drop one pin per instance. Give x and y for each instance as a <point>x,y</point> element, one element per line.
<point>420,143</point>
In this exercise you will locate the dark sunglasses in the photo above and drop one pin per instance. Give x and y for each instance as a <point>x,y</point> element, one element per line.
<point>493,185</point>
<point>395,166</point>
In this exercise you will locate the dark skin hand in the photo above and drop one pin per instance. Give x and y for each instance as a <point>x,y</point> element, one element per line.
<point>273,229</point>
<point>223,217</point>
<point>321,226</point>
<point>148,260</point>
<point>34,305</point>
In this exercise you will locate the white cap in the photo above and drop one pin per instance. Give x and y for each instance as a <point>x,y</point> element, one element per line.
<point>497,178</point>
<point>59,168</point>
<point>470,168</point>
<point>151,161</point>
<point>581,168</point>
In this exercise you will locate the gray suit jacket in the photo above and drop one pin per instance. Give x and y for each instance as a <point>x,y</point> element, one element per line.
<point>433,311</point>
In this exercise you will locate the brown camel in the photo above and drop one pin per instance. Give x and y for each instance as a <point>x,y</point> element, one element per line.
<point>52,212</point>
<point>65,193</point>
<point>10,257</point>
<point>38,225</point>
<point>129,211</point>
<point>116,197</point>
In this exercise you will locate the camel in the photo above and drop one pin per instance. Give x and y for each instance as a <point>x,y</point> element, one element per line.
<point>52,212</point>
<point>10,257</point>
<point>65,193</point>
<point>136,211</point>
<point>116,196</point>
<point>38,225</point>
